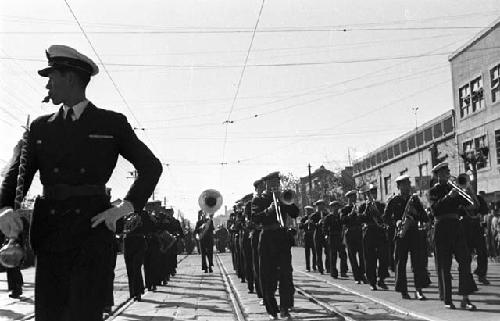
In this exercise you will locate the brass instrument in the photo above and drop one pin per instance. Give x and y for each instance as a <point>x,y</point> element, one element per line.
<point>407,220</point>
<point>210,201</point>
<point>463,193</point>
<point>376,214</point>
<point>287,197</point>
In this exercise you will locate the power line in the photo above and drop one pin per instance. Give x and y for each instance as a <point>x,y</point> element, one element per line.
<point>228,119</point>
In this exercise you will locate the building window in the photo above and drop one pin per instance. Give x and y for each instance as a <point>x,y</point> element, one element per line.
<point>495,83</point>
<point>384,155</point>
<point>474,146</point>
<point>387,184</point>
<point>379,158</point>
<point>477,94</point>
<point>479,143</point>
<point>497,143</point>
<point>428,134</point>
<point>438,131</point>
<point>448,125</point>
<point>390,153</point>
<point>420,138</point>
<point>471,97</point>
<point>396,150</point>
<point>404,146</point>
<point>374,160</point>
<point>411,142</point>
<point>464,100</point>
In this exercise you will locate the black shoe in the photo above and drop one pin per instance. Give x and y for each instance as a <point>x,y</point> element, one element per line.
<point>210,270</point>
<point>382,285</point>
<point>284,314</point>
<point>206,271</point>
<point>15,294</point>
<point>308,270</point>
<point>343,275</point>
<point>373,287</point>
<point>250,291</point>
<point>419,295</point>
<point>405,295</point>
<point>273,316</point>
<point>321,272</point>
<point>138,298</point>
<point>449,305</point>
<point>467,305</point>
<point>358,281</point>
<point>365,281</point>
<point>483,280</point>
<point>334,276</point>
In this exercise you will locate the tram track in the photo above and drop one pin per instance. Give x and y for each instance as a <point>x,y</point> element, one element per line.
<point>233,293</point>
<point>124,305</point>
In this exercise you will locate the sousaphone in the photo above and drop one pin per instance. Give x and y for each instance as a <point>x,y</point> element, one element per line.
<point>210,202</point>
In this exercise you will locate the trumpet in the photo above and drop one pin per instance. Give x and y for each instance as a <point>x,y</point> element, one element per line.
<point>463,193</point>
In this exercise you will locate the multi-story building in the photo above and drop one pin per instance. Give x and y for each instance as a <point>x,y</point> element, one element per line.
<point>414,154</point>
<point>475,70</point>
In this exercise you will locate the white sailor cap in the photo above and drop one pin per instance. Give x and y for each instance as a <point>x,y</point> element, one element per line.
<point>351,192</point>
<point>402,178</point>
<point>61,56</point>
<point>439,166</point>
<point>308,207</point>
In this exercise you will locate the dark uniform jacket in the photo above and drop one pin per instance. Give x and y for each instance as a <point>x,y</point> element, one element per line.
<point>332,225</point>
<point>442,203</point>
<point>396,206</point>
<point>371,215</point>
<point>84,153</point>
<point>265,217</point>
<point>308,226</point>
<point>206,232</point>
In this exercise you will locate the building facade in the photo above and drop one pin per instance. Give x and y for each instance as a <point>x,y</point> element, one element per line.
<point>475,69</point>
<point>414,154</point>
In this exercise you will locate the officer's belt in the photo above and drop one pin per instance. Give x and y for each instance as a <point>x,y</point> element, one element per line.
<point>273,226</point>
<point>446,216</point>
<point>63,191</point>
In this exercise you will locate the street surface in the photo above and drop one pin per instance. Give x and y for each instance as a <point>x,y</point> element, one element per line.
<point>220,296</point>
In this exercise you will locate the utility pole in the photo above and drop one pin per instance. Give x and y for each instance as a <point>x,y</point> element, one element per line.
<point>349,156</point>
<point>415,109</point>
<point>310,183</point>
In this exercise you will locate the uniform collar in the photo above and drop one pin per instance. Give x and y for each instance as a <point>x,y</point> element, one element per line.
<point>78,109</point>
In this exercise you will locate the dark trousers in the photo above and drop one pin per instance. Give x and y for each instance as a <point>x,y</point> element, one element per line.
<point>450,240</point>
<point>135,250</point>
<point>276,266</point>
<point>110,299</point>
<point>391,252</point>
<point>207,254</point>
<point>69,285</point>
<point>336,250</point>
<point>410,244</point>
<point>14,279</point>
<point>320,246</point>
<point>232,246</point>
<point>375,248</point>
<point>309,247</point>
<point>354,243</point>
<point>242,263</point>
<point>254,241</point>
<point>152,262</point>
<point>476,242</point>
<point>247,251</point>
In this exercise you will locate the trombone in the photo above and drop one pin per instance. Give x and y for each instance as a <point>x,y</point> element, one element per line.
<point>463,193</point>
<point>287,197</point>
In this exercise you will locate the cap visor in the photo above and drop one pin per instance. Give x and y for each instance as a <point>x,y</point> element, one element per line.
<point>45,72</point>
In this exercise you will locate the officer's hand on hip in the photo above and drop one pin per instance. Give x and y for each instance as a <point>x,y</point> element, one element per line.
<point>11,224</point>
<point>110,216</point>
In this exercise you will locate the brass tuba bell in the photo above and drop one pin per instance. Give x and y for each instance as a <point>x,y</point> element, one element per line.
<point>288,197</point>
<point>210,201</point>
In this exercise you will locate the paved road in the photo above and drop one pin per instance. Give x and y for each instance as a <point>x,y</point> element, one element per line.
<point>193,295</point>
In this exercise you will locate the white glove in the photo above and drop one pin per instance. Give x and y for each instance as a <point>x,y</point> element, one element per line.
<point>110,216</point>
<point>11,224</point>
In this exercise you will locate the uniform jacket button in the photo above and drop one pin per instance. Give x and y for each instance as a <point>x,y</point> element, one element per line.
<point>52,211</point>
<point>56,170</point>
<point>82,170</point>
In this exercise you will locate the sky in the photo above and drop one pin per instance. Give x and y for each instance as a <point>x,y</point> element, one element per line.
<point>225,92</point>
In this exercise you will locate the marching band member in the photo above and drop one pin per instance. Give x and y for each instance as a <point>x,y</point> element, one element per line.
<point>449,239</point>
<point>73,223</point>
<point>320,245</point>
<point>353,237</point>
<point>308,226</point>
<point>375,247</point>
<point>405,211</point>
<point>205,229</point>
<point>259,204</point>
<point>332,229</point>
<point>275,251</point>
